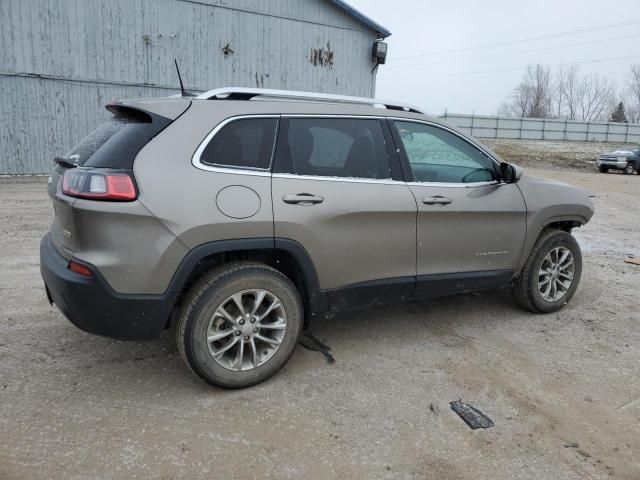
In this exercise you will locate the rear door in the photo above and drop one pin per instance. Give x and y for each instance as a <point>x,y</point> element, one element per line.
<point>471,227</point>
<point>338,191</point>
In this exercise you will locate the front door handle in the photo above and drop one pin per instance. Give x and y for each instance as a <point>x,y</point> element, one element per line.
<point>436,200</point>
<point>302,199</point>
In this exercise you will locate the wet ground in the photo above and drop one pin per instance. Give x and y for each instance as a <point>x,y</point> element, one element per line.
<point>563,390</point>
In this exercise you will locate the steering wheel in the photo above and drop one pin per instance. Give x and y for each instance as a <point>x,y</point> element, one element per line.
<point>465,179</point>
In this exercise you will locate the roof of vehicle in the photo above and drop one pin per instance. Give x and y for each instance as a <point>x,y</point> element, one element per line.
<point>243,93</point>
<point>248,101</point>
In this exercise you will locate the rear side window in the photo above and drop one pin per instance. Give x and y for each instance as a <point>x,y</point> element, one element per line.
<point>116,142</point>
<point>336,147</point>
<point>244,143</point>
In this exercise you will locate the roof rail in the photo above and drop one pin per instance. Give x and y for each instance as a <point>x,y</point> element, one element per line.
<point>242,93</point>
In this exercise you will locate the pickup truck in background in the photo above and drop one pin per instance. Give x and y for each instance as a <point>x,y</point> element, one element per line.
<point>625,159</point>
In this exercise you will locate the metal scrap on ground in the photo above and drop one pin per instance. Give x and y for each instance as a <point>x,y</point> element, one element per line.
<point>471,416</point>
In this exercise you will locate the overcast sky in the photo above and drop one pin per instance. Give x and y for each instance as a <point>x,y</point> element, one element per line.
<point>467,81</point>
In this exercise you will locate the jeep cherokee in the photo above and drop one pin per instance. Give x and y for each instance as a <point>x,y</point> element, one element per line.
<point>240,214</point>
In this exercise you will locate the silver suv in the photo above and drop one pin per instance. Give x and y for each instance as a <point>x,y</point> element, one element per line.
<point>240,214</point>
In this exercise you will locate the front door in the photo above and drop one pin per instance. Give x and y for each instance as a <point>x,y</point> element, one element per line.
<point>471,227</point>
<point>338,191</point>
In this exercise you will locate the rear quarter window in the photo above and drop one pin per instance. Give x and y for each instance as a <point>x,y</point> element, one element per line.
<point>242,143</point>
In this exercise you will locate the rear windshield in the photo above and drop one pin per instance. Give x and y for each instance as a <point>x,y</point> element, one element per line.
<point>116,142</point>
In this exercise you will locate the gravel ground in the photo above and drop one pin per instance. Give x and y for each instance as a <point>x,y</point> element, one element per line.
<point>563,389</point>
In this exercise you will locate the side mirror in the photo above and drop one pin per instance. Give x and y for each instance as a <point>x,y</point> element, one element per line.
<point>508,173</point>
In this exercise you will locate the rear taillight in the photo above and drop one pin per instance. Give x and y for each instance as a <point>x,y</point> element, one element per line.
<point>99,185</point>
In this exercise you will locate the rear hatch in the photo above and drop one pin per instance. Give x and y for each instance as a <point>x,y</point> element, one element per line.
<point>106,153</point>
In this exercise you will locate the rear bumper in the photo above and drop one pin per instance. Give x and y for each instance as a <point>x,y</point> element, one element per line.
<point>91,305</point>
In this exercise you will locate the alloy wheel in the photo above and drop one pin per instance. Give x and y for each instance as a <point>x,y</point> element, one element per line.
<point>556,274</point>
<point>246,330</point>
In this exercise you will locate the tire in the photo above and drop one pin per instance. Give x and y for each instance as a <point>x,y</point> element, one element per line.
<point>603,169</point>
<point>530,286</point>
<point>628,170</point>
<point>202,318</point>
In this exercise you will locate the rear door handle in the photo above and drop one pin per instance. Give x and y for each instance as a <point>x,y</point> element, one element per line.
<point>436,200</point>
<point>302,199</point>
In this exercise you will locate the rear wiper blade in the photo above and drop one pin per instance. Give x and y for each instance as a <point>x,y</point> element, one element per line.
<point>65,162</point>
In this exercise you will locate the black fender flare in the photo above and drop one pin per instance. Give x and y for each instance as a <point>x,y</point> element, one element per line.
<point>532,236</point>
<point>316,297</point>
<point>574,218</point>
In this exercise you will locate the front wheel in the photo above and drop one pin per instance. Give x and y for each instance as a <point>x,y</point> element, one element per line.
<point>628,170</point>
<point>551,274</point>
<point>239,325</point>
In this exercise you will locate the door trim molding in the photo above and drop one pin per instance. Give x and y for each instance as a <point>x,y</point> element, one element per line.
<point>450,283</point>
<point>375,292</point>
<point>398,289</point>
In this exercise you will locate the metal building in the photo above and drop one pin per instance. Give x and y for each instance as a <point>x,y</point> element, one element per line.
<point>62,60</point>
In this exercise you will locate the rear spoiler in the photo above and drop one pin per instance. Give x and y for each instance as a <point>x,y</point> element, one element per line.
<point>167,107</point>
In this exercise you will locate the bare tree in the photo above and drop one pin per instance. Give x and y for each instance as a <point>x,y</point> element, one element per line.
<point>509,109</point>
<point>634,92</point>
<point>521,100</point>
<point>537,85</point>
<point>569,91</point>
<point>633,114</point>
<point>565,94</point>
<point>597,97</point>
<point>532,97</point>
<point>519,103</point>
<point>556,92</point>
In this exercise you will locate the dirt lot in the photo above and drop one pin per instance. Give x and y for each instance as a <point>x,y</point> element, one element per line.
<point>552,154</point>
<point>562,389</point>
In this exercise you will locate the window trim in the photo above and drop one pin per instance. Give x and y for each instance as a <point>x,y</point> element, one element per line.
<point>262,172</point>
<point>404,158</point>
<point>390,148</point>
<point>383,181</point>
<point>400,154</point>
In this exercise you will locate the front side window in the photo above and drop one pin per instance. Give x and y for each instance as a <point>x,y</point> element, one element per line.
<point>243,143</point>
<point>337,147</point>
<point>437,155</point>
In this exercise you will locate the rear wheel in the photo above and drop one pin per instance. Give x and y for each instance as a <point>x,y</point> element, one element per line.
<point>629,169</point>
<point>603,169</point>
<point>551,274</point>
<point>239,325</point>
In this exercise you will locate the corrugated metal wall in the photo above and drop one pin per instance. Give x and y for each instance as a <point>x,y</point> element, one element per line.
<point>61,60</point>
<point>486,126</point>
